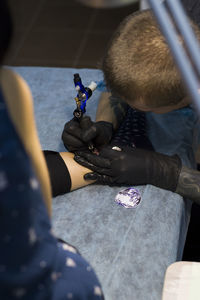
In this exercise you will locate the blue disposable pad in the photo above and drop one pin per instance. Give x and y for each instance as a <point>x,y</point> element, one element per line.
<point>130,249</point>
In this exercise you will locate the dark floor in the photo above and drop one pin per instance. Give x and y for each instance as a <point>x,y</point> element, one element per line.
<point>61,33</point>
<point>192,245</point>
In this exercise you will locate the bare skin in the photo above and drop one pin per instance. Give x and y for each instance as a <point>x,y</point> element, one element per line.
<point>76,171</point>
<point>111,109</point>
<point>19,103</point>
<point>20,106</point>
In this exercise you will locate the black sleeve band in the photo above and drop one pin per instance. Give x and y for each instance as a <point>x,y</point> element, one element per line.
<point>58,172</point>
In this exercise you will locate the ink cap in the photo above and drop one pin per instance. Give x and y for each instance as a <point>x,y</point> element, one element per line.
<point>128,198</point>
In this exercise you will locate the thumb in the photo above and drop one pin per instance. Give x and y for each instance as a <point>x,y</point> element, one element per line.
<point>85,122</point>
<point>89,134</point>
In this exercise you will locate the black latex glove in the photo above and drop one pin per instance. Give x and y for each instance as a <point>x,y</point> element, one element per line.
<point>131,166</point>
<point>77,134</point>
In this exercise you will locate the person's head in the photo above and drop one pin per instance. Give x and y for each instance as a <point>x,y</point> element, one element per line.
<point>139,67</point>
<point>5,29</point>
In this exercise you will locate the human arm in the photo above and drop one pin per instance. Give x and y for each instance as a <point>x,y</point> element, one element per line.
<point>110,113</point>
<point>189,184</point>
<point>20,106</point>
<point>138,167</point>
<point>76,171</point>
<point>65,173</point>
<point>25,226</point>
<point>111,109</point>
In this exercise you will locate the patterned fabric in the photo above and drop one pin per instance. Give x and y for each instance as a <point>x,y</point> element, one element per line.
<point>132,131</point>
<point>33,263</point>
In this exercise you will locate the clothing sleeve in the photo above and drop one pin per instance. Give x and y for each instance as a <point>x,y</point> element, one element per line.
<point>59,175</point>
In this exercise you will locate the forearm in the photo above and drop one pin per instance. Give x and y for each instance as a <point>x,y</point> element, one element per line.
<point>64,172</point>
<point>111,109</point>
<point>189,184</point>
<point>76,171</point>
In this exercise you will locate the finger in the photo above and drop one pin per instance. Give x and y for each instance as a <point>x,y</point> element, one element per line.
<point>71,124</point>
<point>114,152</point>
<point>73,128</point>
<point>85,122</point>
<point>95,159</point>
<point>89,134</point>
<point>80,160</point>
<point>90,176</point>
<point>72,143</point>
<point>76,132</point>
<point>108,152</point>
<point>100,179</point>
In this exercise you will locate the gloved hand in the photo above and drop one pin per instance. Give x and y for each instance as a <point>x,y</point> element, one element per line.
<point>131,166</point>
<point>76,135</point>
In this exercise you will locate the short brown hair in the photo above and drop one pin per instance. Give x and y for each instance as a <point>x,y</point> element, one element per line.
<point>139,66</point>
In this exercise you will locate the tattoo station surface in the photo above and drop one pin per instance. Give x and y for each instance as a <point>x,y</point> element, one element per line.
<point>130,249</point>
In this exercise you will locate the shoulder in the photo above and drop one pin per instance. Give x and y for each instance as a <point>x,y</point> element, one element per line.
<point>19,102</point>
<point>13,85</point>
<point>7,74</point>
<point>16,92</point>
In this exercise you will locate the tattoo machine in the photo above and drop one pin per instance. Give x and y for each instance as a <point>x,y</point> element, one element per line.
<point>84,93</point>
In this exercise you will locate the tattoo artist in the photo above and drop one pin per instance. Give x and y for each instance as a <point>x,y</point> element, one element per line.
<point>160,93</point>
